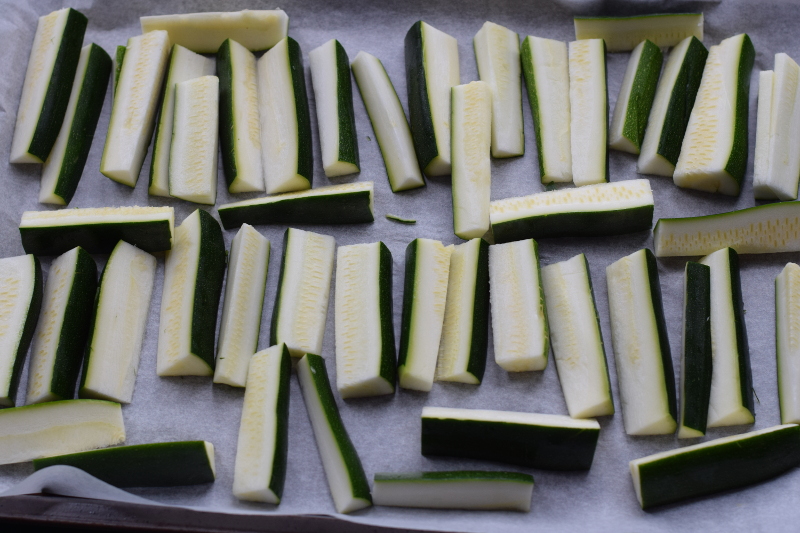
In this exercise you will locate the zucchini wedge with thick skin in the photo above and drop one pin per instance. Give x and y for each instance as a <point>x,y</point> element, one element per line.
<point>588,104</point>
<point>549,442</point>
<point>672,107</point>
<point>333,95</point>
<point>45,93</point>
<point>346,479</point>
<point>121,310</point>
<point>133,113</point>
<point>497,54</point>
<point>304,286</point>
<point>465,332</point>
<point>365,353</point>
<point>787,347</point>
<point>635,98</point>
<point>63,326</point>
<point>613,208</point>
<point>622,34</point>
<point>716,465</point>
<point>388,122</point>
<point>119,57</point>
<point>204,33</point>
<point>424,302</point>
<point>462,489</point>
<point>761,179</point>
<point>193,277</point>
<point>62,170</point>
<point>240,326</point>
<point>260,469</point>
<point>641,347</point>
<point>431,70</point>
<point>519,316</point>
<point>160,464</point>
<point>55,428</point>
<point>97,229</point>
<point>20,305</point>
<point>714,150</point>
<point>286,154</point>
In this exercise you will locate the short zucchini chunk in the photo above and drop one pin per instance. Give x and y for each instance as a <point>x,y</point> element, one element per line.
<point>431,70</point>
<point>465,332</point>
<point>787,330</point>
<point>519,317</point>
<point>576,337</point>
<point>56,428</point>
<point>160,464</point>
<point>461,489</point>
<point>20,305</point>
<point>119,57</point>
<point>622,34</point>
<point>365,353</point>
<point>286,154</point>
<point>424,303</point>
<point>716,465</point>
<point>46,91</point>
<point>333,95</point>
<point>588,102</point>
<point>193,274</point>
<point>549,442</point>
<point>97,229</point>
<point>60,338</point>
<point>766,80</point>
<point>304,286</point>
<point>388,122</point>
<point>641,347</point>
<point>133,114</point>
<point>244,303</point>
<point>714,151</point>
<point>262,448</point>
<point>62,170</point>
<point>346,479</point>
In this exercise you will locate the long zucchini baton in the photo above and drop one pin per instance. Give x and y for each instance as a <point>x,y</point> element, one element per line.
<point>761,180</point>
<point>588,103</point>
<point>624,33</point>
<point>787,347</point>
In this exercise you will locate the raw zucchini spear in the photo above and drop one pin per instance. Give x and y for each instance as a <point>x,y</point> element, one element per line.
<point>63,168</point>
<point>671,108</point>
<point>497,54</point>
<point>244,303</point>
<point>465,332</point>
<point>45,93</point>
<point>762,229</point>
<point>471,135</point>
<point>160,464</point>
<point>761,159</point>
<point>546,69</point>
<point>549,442</point>
<point>260,468</point>
<point>286,153</point>
<point>97,229</point>
<point>431,70</point>
<point>119,57</point>
<point>121,310</point>
<point>424,302</point>
<point>388,122</point>
<point>333,94</point>
<point>195,142</point>
<point>365,353</point>
<point>63,326</point>
<point>184,65</point>
<point>588,103</point>
<point>731,401</point>
<point>624,33</point>
<point>787,347</point>
<point>714,151</point>
<point>350,203</point>
<point>133,114</point>
<point>346,479</point>
<point>193,277</point>
<point>304,285</point>
<point>462,489</point>
<point>204,33</point>
<point>716,465</point>
<point>641,347</point>
<point>55,428</point>
<point>20,303</point>
<point>635,98</point>
<point>603,209</point>
<point>576,337</point>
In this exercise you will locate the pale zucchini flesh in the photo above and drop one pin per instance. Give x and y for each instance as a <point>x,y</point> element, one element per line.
<point>588,103</point>
<point>787,341</point>
<point>761,177</point>
<point>622,34</point>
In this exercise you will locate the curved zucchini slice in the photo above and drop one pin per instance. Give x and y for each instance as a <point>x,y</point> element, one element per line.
<point>787,347</point>
<point>119,57</point>
<point>761,179</point>
<point>588,103</point>
<point>400,220</point>
<point>622,34</point>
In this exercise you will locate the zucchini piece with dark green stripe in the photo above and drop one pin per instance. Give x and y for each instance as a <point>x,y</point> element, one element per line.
<point>119,57</point>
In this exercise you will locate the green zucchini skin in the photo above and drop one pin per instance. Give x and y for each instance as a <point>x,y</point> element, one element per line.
<point>419,109</point>
<point>663,339</point>
<point>305,154</point>
<point>533,99</point>
<point>348,140</point>
<point>737,164</point>
<point>28,329</point>
<point>480,315</point>
<point>278,478</point>
<point>643,93</point>
<point>273,329</point>
<point>408,301</point>
<point>745,371</point>
<point>388,369</point>
<point>697,358</point>
<point>101,238</point>
<point>208,288</point>
<point>226,134</point>
<point>119,57</point>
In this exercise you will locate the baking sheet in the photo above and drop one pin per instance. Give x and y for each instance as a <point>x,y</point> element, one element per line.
<point>386,430</point>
